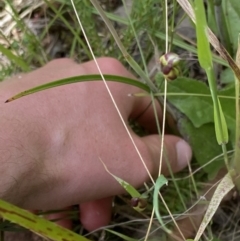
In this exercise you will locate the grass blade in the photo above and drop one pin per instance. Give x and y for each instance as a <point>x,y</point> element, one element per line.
<point>129,188</point>
<point>38,225</point>
<point>138,202</point>
<point>17,60</point>
<point>80,78</point>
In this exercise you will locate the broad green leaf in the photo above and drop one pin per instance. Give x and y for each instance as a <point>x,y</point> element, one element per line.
<point>199,109</point>
<point>204,145</point>
<point>13,58</point>
<point>81,78</point>
<point>161,180</point>
<point>222,189</point>
<point>36,224</point>
<point>197,104</point>
<point>221,137</point>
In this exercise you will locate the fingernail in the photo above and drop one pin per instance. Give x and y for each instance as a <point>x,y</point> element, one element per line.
<point>184,153</point>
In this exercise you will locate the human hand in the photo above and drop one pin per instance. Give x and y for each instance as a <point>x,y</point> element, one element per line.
<point>58,136</point>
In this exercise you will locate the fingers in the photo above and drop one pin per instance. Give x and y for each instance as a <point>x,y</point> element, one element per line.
<point>96,214</point>
<point>177,153</point>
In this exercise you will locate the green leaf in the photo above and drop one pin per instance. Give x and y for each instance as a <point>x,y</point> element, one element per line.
<point>81,78</point>
<point>203,154</point>
<point>193,98</point>
<point>204,53</point>
<point>38,225</point>
<point>227,76</point>
<point>197,104</point>
<point>205,59</point>
<point>199,109</point>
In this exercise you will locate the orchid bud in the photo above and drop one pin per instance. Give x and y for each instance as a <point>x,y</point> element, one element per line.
<point>169,65</point>
<point>138,203</point>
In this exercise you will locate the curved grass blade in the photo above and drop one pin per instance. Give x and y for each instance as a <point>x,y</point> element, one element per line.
<point>159,183</point>
<point>222,189</point>
<point>36,224</point>
<point>81,78</point>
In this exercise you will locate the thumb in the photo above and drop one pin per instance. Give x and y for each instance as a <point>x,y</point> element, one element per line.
<point>177,153</point>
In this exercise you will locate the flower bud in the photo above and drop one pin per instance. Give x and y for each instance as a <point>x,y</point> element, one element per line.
<point>169,65</point>
<point>139,204</point>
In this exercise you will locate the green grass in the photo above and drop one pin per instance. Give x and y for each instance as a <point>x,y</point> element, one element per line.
<point>135,39</point>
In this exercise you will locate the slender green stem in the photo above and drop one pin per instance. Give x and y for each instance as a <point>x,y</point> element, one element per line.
<point>137,39</point>
<point>172,24</point>
<point>212,22</point>
<point>224,32</point>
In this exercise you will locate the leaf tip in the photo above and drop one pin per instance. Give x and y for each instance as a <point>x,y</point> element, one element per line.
<point>10,99</point>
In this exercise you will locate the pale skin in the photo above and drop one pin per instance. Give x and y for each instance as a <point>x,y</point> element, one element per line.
<point>51,142</point>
